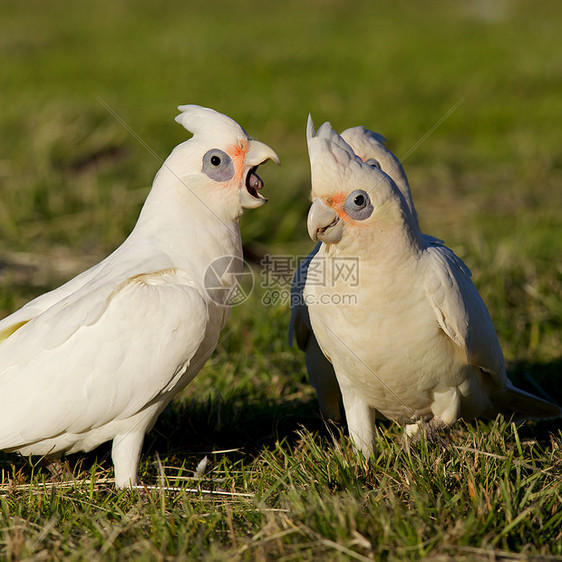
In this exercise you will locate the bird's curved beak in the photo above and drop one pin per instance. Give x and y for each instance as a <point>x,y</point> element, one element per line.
<point>258,153</point>
<point>323,223</point>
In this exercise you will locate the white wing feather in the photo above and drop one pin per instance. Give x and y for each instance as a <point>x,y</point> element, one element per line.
<point>105,356</point>
<point>43,302</point>
<point>121,264</point>
<point>460,311</point>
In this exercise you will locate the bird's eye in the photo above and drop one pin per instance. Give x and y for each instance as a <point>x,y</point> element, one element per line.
<point>358,205</point>
<point>218,165</point>
<point>374,163</point>
<point>359,200</point>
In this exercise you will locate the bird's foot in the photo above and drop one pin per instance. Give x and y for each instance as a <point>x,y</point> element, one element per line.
<point>60,470</point>
<point>432,432</point>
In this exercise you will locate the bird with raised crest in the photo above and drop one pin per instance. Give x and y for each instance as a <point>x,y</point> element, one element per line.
<point>416,343</point>
<point>99,358</point>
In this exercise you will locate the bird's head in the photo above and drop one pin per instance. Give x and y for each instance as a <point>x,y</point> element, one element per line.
<point>352,200</point>
<point>371,148</point>
<point>218,163</point>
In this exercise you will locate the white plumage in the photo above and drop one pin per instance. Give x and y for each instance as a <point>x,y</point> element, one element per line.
<point>417,343</point>
<point>100,357</point>
<point>370,147</point>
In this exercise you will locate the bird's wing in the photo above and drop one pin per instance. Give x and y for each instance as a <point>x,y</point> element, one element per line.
<point>11,323</point>
<point>460,311</point>
<point>432,241</point>
<point>299,324</point>
<point>100,357</point>
<point>118,265</point>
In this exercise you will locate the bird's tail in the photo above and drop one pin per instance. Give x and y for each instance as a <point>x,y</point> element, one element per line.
<point>520,404</point>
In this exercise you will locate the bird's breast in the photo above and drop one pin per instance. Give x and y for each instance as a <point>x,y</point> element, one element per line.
<point>384,339</point>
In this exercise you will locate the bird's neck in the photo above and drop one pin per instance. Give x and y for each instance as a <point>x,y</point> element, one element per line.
<point>182,226</point>
<point>387,245</point>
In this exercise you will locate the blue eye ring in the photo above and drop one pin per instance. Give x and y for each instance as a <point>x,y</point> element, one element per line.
<point>218,165</point>
<point>358,205</point>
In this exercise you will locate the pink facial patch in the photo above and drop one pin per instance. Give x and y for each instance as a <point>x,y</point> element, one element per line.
<point>337,202</point>
<point>238,154</point>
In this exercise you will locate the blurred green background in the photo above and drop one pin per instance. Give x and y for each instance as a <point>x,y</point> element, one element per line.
<point>468,94</point>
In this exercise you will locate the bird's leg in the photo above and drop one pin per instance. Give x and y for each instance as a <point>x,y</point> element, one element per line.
<point>125,454</point>
<point>446,405</point>
<point>446,409</point>
<point>360,420</point>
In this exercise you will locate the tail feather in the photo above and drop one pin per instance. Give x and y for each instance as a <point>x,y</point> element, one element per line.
<point>520,404</point>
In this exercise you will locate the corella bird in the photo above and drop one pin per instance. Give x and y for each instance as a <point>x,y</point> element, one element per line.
<point>100,357</point>
<point>413,341</point>
<point>370,147</point>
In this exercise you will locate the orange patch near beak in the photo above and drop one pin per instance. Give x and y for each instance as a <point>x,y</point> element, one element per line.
<point>238,154</point>
<point>337,202</point>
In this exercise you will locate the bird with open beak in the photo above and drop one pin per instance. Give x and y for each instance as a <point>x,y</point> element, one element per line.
<point>99,358</point>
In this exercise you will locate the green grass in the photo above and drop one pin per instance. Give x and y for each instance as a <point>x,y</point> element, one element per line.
<point>469,96</point>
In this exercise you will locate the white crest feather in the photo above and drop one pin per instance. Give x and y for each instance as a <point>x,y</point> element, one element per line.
<point>330,157</point>
<point>205,122</point>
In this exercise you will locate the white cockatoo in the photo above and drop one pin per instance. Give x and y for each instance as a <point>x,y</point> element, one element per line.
<point>100,357</point>
<point>410,338</point>
<point>370,147</point>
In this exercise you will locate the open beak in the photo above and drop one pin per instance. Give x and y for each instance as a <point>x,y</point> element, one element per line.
<point>258,153</point>
<point>323,223</point>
